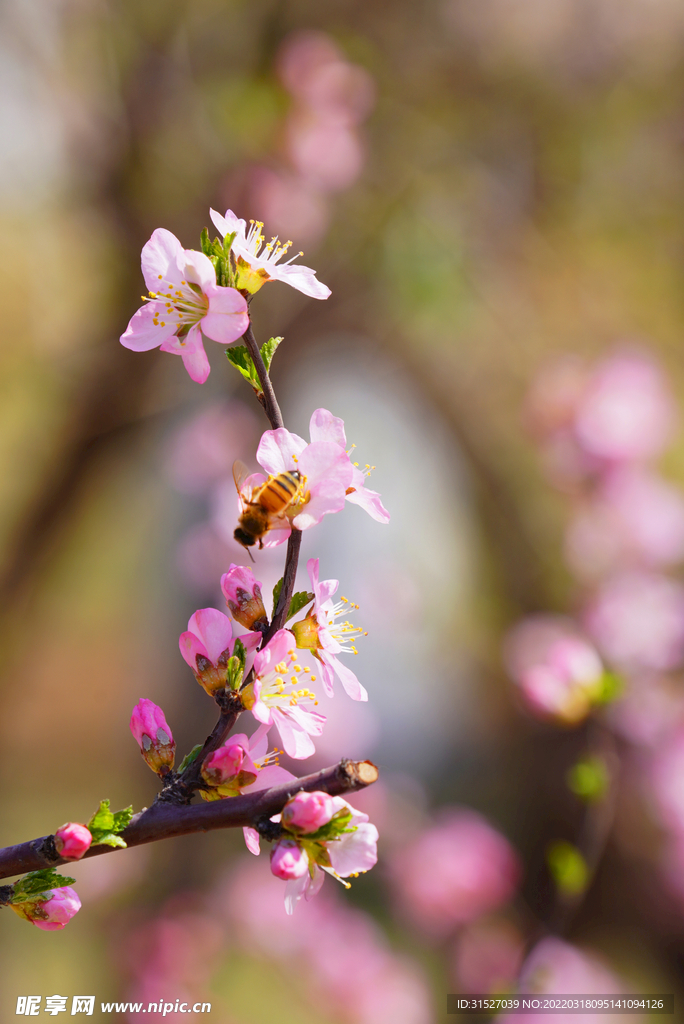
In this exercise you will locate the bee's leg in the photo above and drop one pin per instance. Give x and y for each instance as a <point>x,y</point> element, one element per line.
<point>261,544</point>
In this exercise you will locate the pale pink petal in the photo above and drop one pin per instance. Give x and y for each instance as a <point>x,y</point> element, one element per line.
<point>162,261</point>
<point>294,734</point>
<point>294,890</point>
<point>301,278</point>
<point>214,629</point>
<point>274,652</point>
<point>315,883</point>
<point>271,775</point>
<point>228,224</point>
<point>327,674</point>
<point>227,319</point>
<point>329,498</point>
<point>325,462</point>
<point>190,647</point>
<point>370,502</point>
<point>199,270</point>
<point>345,675</point>
<point>355,851</point>
<point>276,449</point>
<point>191,350</point>
<point>141,334</point>
<point>278,534</point>
<point>258,742</point>
<point>326,427</point>
<point>252,840</point>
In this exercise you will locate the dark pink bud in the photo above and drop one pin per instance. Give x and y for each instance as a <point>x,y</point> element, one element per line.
<point>288,860</point>
<point>243,597</point>
<point>151,731</point>
<point>72,841</point>
<point>57,911</point>
<point>307,812</point>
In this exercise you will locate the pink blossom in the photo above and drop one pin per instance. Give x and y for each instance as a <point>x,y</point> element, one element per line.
<point>72,841</point>
<point>153,735</point>
<point>59,909</point>
<point>279,698</point>
<point>324,151</point>
<point>627,412</point>
<point>352,853</point>
<point>649,710</point>
<point>243,597</point>
<point>314,71</point>
<point>184,302</point>
<point>330,476</point>
<point>453,872</point>
<point>637,620</point>
<point>207,645</point>
<point>307,812</point>
<point>635,517</point>
<point>319,633</point>
<point>558,672</point>
<point>555,966</point>
<point>258,261</point>
<point>290,204</point>
<point>242,764</point>
<point>288,860</point>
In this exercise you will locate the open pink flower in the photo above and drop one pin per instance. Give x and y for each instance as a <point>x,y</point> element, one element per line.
<point>153,735</point>
<point>207,645</point>
<point>184,302</point>
<point>352,853</point>
<point>319,633</point>
<point>277,697</point>
<point>72,840</point>
<point>259,262</point>
<point>62,905</point>
<point>330,476</point>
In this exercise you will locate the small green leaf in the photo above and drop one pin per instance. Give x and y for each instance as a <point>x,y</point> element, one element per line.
<point>336,827</point>
<point>276,593</point>
<point>110,839</point>
<point>242,361</point>
<point>568,868</point>
<point>609,688</point>
<point>268,351</point>
<point>102,820</point>
<point>589,779</point>
<point>189,758</point>
<point>122,819</point>
<point>228,243</point>
<point>299,601</point>
<point>38,882</point>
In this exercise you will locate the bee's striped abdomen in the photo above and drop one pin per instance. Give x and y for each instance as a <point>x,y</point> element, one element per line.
<point>278,492</point>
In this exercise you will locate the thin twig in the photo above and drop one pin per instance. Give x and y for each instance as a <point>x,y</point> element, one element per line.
<point>165,821</point>
<point>291,562</point>
<point>268,399</point>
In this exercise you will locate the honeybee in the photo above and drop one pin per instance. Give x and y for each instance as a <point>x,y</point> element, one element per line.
<point>266,506</point>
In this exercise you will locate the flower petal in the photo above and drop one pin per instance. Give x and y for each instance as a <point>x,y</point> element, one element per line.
<point>370,502</point>
<point>227,319</point>
<point>192,353</point>
<point>276,450</point>
<point>228,224</point>
<point>190,646</point>
<point>345,675</point>
<point>252,840</point>
<point>162,261</point>
<point>325,462</point>
<point>326,427</point>
<point>214,629</point>
<point>142,334</point>
<point>302,278</point>
<point>271,775</point>
<point>355,851</point>
<point>198,269</point>
<point>294,890</point>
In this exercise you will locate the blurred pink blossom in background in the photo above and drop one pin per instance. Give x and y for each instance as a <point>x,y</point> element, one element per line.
<point>487,957</point>
<point>454,871</point>
<point>558,672</point>
<point>637,621</point>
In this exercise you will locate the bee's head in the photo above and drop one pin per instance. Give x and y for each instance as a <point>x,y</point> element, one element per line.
<point>242,537</point>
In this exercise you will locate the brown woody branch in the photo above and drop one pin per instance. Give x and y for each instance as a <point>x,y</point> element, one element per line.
<point>267,398</point>
<point>166,821</point>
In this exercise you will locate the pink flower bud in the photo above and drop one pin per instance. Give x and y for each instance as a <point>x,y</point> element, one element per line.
<point>152,733</point>
<point>72,841</point>
<point>58,910</point>
<point>307,812</point>
<point>288,860</point>
<point>243,597</point>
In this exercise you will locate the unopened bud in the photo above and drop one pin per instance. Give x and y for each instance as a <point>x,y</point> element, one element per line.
<point>52,911</point>
<point>153,735</point>
<point>307,812</point>
<point>288,860</point>
<point>243,597</point>
<point>306,633</point>
<point>72,841</point>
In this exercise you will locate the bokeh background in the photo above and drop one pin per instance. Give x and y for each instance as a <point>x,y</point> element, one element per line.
<point>486,187</point>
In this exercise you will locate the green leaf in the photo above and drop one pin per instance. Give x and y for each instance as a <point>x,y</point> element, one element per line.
<point>242,361</point>
<point>589,779</point>
<point>104,825</point>
<point>568,868</point>
<point>268,351</point>
<point>189,758</point>
<point>38,882</point>
<point>228,243</point>
<point>299,601</point>
<point>235,668</point>
<point>276,593</point>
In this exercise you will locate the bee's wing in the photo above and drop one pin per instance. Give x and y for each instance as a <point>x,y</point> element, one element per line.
<point>240,474</point>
